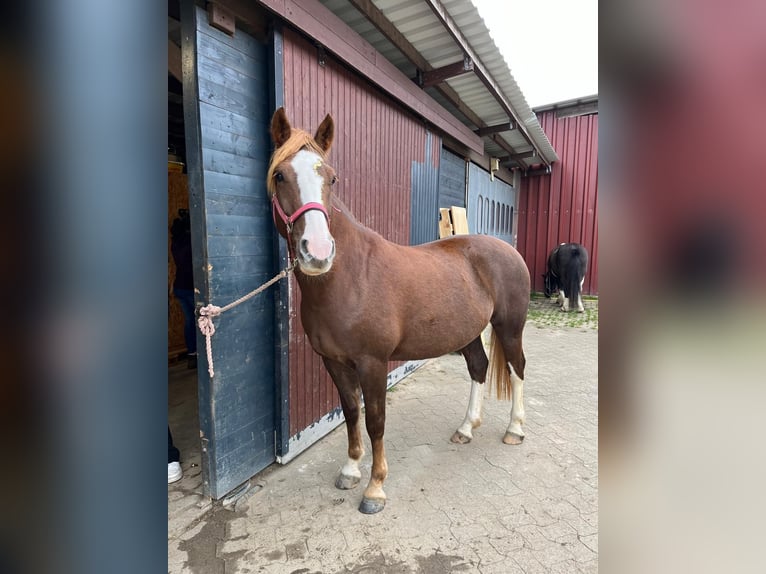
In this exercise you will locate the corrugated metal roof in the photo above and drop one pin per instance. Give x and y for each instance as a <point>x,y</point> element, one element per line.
<point>416,21</point>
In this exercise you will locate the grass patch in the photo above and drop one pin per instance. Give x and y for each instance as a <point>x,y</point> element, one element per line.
<point>545,313</point>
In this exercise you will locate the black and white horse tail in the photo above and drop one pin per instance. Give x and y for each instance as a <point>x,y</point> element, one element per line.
<point>574,273</point>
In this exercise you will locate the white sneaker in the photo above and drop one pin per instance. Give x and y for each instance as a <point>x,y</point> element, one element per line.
<point>174,472</point>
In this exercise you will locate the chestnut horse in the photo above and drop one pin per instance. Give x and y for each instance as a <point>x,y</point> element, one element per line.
<point>366,301</point>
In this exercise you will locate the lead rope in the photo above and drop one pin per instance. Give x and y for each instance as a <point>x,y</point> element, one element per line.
<point>207,313</point>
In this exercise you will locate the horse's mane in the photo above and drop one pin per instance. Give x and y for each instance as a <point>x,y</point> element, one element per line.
<point>298,140</point>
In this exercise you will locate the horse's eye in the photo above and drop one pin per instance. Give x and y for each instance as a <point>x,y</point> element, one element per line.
<point>279,177</point>
<point>334,180</point>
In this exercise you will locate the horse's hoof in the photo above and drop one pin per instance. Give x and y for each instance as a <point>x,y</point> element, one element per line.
<point>513,438</point>
<point>346,482</point>
<point>372,505</point>
<point>460,438</point>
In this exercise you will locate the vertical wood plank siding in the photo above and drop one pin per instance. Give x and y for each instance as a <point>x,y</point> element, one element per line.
<point>228,148</point>
<point>563,206</point>
<point>451,180</point>
<point>376,143</point>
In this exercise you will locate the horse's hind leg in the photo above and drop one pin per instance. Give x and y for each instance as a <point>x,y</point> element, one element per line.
<point>477,362</point>
<point>510,339</point>
<point>514,433</point>
<point>348,389</point>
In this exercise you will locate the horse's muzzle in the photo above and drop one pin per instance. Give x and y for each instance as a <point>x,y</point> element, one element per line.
<point>317,257</point>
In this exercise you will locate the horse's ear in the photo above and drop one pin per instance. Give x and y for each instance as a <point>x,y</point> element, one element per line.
<point>280,127</point>
<point>325,133</point>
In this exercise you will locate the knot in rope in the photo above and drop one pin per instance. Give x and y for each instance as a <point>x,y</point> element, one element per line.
<point>205,320</point>
<point>207,328</point>
<point>206,314</point>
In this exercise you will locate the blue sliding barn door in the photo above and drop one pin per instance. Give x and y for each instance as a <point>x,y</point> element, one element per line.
<point>226,113</point>
<point>490,205</point>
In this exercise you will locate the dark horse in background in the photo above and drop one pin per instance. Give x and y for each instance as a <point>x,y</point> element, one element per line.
<point>366,301</point>
<point>565,272</point>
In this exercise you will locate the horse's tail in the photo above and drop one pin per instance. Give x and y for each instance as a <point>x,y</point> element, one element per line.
<point>498,374</point>
<point>573,275</point>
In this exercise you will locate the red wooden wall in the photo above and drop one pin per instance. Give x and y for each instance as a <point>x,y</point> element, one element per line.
<point>563,206</point>
<point>376,142</point>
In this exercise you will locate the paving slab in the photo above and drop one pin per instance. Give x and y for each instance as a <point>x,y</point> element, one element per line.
<point>481,507</point>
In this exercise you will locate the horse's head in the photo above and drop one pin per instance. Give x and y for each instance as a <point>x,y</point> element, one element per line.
<point>299,181</point>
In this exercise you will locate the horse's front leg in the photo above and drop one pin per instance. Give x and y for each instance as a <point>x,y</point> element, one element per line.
<point>372,376</point>
<point>347,383</point>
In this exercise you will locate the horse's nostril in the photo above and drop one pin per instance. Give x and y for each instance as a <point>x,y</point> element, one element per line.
<point>320,250</point>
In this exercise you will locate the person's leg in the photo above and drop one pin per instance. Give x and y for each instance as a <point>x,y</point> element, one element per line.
<point>174,456</point>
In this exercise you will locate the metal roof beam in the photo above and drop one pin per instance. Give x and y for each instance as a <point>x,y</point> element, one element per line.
<point>503,144</point>
<point>489,130</point>
<point>535,172</point>
<point>481,72</point>
<point>512,155</point>
<point>432,77</point>
<point>524,155</point>
<point>385,27</point>
<point>517,157</point>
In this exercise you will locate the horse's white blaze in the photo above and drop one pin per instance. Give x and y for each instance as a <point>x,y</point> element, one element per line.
<point>473,414</point>
<point>351,468</point>
<point>319,242</point>
<point>517,410</point>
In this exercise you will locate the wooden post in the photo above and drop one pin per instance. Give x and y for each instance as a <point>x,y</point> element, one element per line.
<point>459,220</point>
<point>445,225</point>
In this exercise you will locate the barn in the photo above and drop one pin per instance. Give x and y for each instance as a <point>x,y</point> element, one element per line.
<point>560,204</point>
<point>427,116</point>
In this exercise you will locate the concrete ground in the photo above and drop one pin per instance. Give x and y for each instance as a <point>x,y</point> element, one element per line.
<point>482,507</point>
<point>186,503</point>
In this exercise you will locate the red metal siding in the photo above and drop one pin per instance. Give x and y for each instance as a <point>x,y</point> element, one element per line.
<point>376,142</point>
<point>563,206</point>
